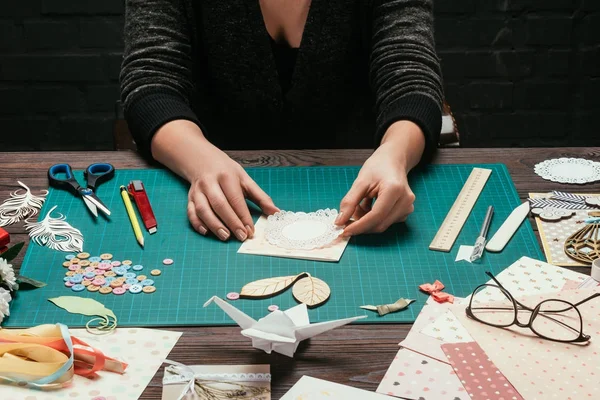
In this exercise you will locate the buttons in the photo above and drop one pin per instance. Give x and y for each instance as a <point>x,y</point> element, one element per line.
<point>104,266</point>
<point>115,263</point>
<point>99,272</point>
<point>90,269</point>
<point>141,277</point>
<point>273,307</point>
<point>69,284</point>
<point>233,296</point>
<point>94,259</point>
<point>106,256</point>
<point>130,275</point>
<point>94,264</point>
<point>66,279</point>
<point>80,271</point>
<point>148,289</point>
<point>78,288</point>
<point>126,286</point>
<point>110,273</point>
<point>86,283</point>
<point>147,282</point>
<point>137,267</point>
<point>73,267</point>
<point>116,283</point>
<point>135,289</point>
<point>75,260</point>
<point>83,255</point>
<point>127,262</point>
<point>90,275</point>
<point>84,263</point>
<point>67,264</point>
<point>119,271</point>
<point>93,288</point>
<point>77,278</point>
<point>69,257</point>
<point>70,273</point>
<point>119,290</point>
<point>155,272</point>
<point>126,266</point>
<point>168,261</point>
<point>132,281</point>
<point>99,281</point>
<point>105,290</point>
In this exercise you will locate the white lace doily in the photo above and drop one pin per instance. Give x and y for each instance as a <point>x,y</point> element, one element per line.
<point>569,170</point>
<point>302,231</point>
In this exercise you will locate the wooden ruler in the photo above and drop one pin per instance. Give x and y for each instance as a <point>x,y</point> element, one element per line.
<point>458,214</point>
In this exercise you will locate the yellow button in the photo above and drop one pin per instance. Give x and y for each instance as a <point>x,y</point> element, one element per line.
<point>141,277</point>
<point>149,289</point>
<point>127,262</point>
<point>105,290</point>
<point>84,263</point>
<point>93,288</point>
<point>109,273</point>
<point>121,279</point>
<point>94,264</point>
<point>106,256</point>
<point>70,273</point>
<point>80,271</point>
<point>86,283</point>
<point>67,264</point>
<point>155,272</point>
<point>75,260</point>
<point>116,283</point>
<point>83,255</point>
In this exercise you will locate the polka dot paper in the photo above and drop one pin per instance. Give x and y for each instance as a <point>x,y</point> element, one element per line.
<point>415,376</point>
<point>143,349</point>
<point>543,369</point>
<point>479,376</point>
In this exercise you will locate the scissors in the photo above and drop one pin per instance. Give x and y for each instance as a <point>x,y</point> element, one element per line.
<point>94,175</point>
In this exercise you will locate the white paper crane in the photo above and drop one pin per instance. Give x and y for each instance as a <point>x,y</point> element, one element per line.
<point>280,331</point>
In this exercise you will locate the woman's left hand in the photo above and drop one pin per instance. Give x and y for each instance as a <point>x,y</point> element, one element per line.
<point>380,196</point>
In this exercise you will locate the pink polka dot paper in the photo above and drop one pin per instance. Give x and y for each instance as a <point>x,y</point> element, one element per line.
<point>479,376</point>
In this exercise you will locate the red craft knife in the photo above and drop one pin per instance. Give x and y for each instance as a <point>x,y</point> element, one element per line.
<point>137,190</point>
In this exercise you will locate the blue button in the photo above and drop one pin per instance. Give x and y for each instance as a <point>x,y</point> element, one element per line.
<point>109,279</point>
<point>69,257</point>
<point>95,259</point>
<point>130,275</point>
<point>77,278</point>
<point>119,271</point>
<point>67,279</point>
<point>138,267</point>
<point>135,289</point>
<point>126,266</point>
<point>90,275</point>
<point>132,281</point>
<point>147,282</point>
<point>78,288</point>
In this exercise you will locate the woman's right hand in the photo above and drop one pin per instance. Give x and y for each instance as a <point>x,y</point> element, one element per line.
<point>219,185</point>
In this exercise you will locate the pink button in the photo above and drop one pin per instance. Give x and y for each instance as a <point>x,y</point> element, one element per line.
<point>98,272</point>
<point>90,269</point>
<point>233,296</point>
<point>73,267</point>
<point>119,290</point>
<point>98,281</point>
<point>273,307</point>
<point>167,261</point>
<point>104,266</point>
<point>115,263</point>
<point>126,286</point>
<point>69,284</point>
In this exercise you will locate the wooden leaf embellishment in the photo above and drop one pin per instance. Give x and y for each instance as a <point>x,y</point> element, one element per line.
<point>311,291</point>
<point>269,287</point>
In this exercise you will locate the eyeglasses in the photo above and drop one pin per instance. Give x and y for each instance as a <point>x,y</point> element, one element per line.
<point>552,319</point>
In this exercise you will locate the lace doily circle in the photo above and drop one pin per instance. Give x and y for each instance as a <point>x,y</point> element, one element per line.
<point>569,170</point>
<point>302,231</point>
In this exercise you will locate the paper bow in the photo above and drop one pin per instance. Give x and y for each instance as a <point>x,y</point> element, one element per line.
<point>435,290</point>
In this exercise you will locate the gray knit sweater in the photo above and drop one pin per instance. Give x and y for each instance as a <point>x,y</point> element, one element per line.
<point>362,65</point>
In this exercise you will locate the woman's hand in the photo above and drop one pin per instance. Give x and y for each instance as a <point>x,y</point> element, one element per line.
<point>383,178</point>
<point>219,185</point>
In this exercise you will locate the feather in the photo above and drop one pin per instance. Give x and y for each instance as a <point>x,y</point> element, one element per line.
<point>55,233</point>
<point>21,205</point>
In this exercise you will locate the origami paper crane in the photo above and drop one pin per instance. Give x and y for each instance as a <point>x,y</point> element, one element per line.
<point>280,331</point>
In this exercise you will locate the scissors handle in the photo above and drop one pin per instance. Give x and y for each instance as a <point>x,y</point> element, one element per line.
<point>97,173</point>
<point>68,182</point>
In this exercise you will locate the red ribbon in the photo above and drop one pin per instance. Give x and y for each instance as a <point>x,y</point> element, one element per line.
<point>435,290</point>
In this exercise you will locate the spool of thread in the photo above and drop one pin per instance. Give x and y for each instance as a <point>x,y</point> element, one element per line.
<point>596,270</point>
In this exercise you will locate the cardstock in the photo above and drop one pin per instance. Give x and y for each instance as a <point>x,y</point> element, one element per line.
<point>244,374</point>
<point>447,329</point>
<point>414,376</point>
<point>479,376</point>
<point>464,253</point>
<point>308,388</point>
<point>543,369</point>
<point>554,234</point>
<point>143,349</point>
<point>259,245</point>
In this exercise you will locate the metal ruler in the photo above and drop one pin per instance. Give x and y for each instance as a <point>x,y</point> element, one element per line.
<point>458,214</point>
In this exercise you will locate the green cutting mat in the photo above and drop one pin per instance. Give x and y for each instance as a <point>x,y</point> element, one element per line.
<point>375,269</point>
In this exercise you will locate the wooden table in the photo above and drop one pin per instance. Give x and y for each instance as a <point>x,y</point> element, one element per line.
<point>354,355</point>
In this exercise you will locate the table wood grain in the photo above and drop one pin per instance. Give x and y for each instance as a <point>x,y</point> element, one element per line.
<point>352,355</point>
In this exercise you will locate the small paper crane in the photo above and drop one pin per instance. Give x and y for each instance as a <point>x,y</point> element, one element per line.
<point>280,331</point>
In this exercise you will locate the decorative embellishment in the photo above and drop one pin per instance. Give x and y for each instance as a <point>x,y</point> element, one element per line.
<point>384,309</point>
<point>569,170</point>
<point>302,231</point>
<point>311,291</point>
<point>21,205</point>
<point>584,245</point>
<point>85,306</point>
<point>593,201</point>
<point>435,290</point>
<point>307,289</point>
<point>552,214</point>
<point>55,233</point>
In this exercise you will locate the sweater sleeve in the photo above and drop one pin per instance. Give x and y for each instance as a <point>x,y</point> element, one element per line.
<point>156,74</point>
<point>405,72</point>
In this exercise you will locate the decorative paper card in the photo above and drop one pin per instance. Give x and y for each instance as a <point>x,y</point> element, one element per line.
<point>415,376</point>
<point>220,380</point>
<point>308,388</point>
<point>478,374</point>
<point>554,235</point>
<point>143,349</point>
<point>260,245</point>
<point>447,329</point>
<point>543,369</point>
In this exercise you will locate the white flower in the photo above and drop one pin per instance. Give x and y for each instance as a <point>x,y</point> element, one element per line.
<point>5,298</point>
<point>7,275</point>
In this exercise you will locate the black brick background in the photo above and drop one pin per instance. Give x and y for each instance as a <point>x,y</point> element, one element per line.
<point>517,72</point>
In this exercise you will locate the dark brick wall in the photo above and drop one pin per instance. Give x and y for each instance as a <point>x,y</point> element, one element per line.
<point>517,72</point>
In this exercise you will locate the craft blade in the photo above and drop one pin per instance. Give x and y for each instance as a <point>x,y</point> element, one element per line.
<point>90,205</point>
<point>478,249</point>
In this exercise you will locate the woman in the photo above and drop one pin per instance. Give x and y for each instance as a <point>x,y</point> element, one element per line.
<point>199,76</point>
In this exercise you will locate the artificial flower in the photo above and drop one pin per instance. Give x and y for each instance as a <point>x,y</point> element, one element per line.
<point>5,298</point>
<point>7,274</point>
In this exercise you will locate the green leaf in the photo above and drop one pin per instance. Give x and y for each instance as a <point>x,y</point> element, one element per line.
<point>82,305</point>
<point>30,282</point>
<point>12,252</point>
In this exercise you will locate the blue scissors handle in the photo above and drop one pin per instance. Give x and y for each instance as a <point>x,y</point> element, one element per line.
<point>68,182</point>
<point>97,173</point>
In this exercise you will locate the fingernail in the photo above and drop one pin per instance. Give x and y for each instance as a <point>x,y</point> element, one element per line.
<point>339,217</point>
<point>202,230</point>
<point>241,235</point>
<point>249,230</point>
<point>223,234</point>
<point>345,234</point>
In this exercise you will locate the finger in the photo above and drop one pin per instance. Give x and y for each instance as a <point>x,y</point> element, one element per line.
<point>206,214</point>
<point>220,205</point>
<point>349,203</point>
<point>259,197</point>
<point>196,223</point>
<point>363,208</point>
<point>373,219</point>
<point>235,196</point>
